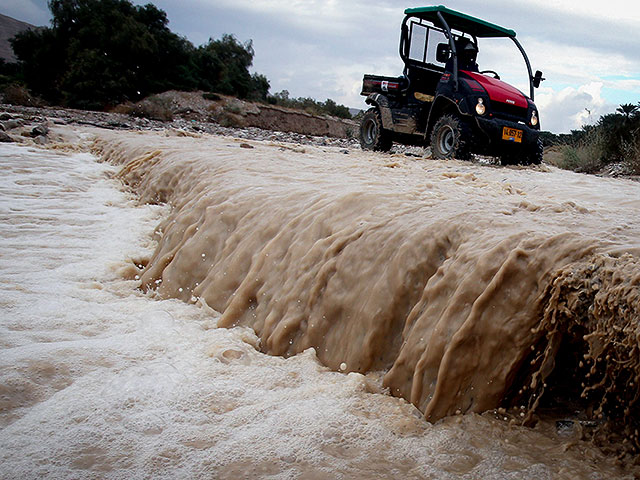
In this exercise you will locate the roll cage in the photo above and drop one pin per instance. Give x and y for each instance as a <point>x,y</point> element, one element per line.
<point>446,21</point>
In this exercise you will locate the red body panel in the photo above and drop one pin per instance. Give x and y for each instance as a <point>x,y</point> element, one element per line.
<point>500,91</point>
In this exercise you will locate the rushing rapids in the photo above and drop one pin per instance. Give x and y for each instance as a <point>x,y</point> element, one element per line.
<point>472,287</point>
<point>101,380</point>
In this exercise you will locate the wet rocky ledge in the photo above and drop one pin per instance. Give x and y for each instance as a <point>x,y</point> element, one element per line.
<point>20,122</point>
<point>23,123</point>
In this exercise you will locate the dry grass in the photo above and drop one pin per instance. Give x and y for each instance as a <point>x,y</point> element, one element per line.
<point>631,152</point>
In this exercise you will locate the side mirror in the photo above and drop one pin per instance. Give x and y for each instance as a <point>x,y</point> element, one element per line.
<point>442,53</point>
<point>537,78</point>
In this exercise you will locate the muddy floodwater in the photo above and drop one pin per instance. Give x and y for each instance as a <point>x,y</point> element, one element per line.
<point>181,306</point>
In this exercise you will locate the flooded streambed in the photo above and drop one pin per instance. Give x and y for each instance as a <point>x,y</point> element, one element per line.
<point>447,284</point>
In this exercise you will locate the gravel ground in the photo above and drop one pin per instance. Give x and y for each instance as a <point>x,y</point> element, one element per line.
<point>19,122</point>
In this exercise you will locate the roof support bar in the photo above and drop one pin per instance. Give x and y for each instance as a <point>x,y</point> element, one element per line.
<point>526,60</point>
<point>452,46</point>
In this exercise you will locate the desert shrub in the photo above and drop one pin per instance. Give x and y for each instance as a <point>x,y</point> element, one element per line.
<point>211,96</point>
<point>233,108</point>
<point>152,108</point>
<point>584,157</point>
<point>613,139</point>
<point>229,119</point>
<point>349,133</point>
<point>19,95</point>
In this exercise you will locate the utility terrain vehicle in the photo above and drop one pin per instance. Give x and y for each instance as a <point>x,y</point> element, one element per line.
<point>443,100</point>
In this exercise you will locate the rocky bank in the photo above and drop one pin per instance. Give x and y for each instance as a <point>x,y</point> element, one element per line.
<point>188,112</point>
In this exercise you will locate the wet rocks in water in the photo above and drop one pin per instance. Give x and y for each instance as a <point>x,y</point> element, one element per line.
<point>39,130</point>
<point>5,138</point>
<point>11,124</point>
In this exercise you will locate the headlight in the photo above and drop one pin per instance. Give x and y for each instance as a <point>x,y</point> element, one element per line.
<point>534,118</point>
<point>480,108</point>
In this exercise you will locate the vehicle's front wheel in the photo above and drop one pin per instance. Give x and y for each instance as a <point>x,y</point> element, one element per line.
<point>451,138</point>
<point>536,154</point>
<point>511,158</point>
<point>372,135</point>
<point>532,156</point>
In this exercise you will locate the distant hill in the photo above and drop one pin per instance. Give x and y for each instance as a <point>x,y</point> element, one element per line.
<point>9,27</point>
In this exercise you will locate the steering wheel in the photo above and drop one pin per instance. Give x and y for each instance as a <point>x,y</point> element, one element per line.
<point>406,77</point>
<point>495,75</point>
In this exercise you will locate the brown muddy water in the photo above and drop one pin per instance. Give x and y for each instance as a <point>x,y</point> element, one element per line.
<point>387,316</point>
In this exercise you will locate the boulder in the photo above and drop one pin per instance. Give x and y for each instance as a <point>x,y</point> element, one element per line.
<point>39,130</point>
<point>5,138</point>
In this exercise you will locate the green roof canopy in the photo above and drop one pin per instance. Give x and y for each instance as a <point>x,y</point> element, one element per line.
<point>460,21</point>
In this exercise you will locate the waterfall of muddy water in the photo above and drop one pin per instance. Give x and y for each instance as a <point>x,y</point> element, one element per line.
<point>438,273</point>
<point>100,380</point>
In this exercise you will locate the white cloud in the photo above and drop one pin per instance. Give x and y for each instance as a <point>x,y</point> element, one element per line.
<point>628,84</point>
<point>571,108</point>
<point>617,10</point>
<point>566,63</point>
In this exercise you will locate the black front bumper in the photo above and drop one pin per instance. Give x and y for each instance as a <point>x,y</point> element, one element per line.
<point>490,132</point>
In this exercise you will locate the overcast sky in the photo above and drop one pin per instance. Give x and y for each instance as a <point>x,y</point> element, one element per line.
<point>587,49</point>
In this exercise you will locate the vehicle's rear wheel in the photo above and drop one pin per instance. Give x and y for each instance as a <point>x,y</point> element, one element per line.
<point>372,135</point>
<point>451,138</point>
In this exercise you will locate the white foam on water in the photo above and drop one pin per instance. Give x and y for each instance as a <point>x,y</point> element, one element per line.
<point>98,380</point>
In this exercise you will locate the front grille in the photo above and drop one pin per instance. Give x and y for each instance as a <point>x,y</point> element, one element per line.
<point>509,112</point>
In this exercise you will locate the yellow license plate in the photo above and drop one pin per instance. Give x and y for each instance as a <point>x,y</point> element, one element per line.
<point>512,134</point>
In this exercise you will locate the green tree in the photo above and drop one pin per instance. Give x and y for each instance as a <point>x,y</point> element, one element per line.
<point>332,108</point>
<point>223,66</point>
<point>42,61</point>
<point>259,87</point>
<point>101,52</point>
<point>627,109</point>
<point>328,107</point>
<point>98,53</point>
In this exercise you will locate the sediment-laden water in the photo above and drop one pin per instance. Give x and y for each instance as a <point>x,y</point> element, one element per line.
<point>456,287</point>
